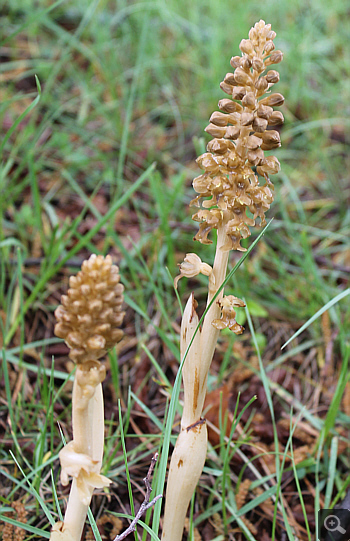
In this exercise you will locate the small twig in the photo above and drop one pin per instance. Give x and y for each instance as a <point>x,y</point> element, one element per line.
<point>146,504</point>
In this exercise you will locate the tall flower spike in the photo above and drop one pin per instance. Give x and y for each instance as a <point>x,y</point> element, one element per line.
<point>235,158</point>
<point>227,189</point>
<point>90,314</point>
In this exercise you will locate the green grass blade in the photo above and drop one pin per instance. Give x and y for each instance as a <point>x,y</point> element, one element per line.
<point>338,394</point>
<point>26,527</point>
<point>94,527</point>
<point>35,493</point>
<point>131,498</point>
<point>326,307</point>
<point>22,116</point>
<point>332,468</point>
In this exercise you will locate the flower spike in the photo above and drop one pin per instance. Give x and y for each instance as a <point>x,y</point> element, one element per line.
<point>235,158</point>
<point>235,180</point>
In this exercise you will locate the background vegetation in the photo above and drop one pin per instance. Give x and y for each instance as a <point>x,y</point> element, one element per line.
<point>98,155</point>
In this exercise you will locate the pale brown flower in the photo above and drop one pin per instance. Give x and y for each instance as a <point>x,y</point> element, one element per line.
<point>91,312</point>
<point>235,157</point>
<point>228,314</point>
<point>192,266</point>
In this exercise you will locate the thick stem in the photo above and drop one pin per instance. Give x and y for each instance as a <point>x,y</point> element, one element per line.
<point>189,455</point>
<point>88,439</point>
<point>186,466</point>
<point>209,334</point>
<point>192,366</point>
<point>88,433</point>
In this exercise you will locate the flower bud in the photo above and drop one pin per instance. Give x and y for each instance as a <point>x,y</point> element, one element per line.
<point>235,61</point>
<point>258,64</point>
<point>264,111</point>
<point>232,132</point>
<point>249,100</point>
<point>261,85</point>
<point>246,46</point>
<point>270,146</point>
<point>229,106</point>
<point>275,58</point>
<point>238,92</point>
<point>269,47</point>
<point>215,131</point>
<point>247,119</point>
<point>217,146</point>
<point>273,100</point>
<point>206,161</point>
<point>266,30</point>
<point>272,76</point>
<point>229,79</point>
<point>226,88</point>
<point>253,142</point>
<point>271,137</point>
<point>259,124</point>
<point>245,63</point>
<point>270,164</point>
<point>255,157</point>
<point>241,77</point>
<point>253,34</point>
<point>276,118</point>
<point>201,184</point>
<point>219,119</point>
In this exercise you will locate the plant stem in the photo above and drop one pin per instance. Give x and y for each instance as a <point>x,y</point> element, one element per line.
<point>88,439</point>
<point>88,431</point>
<point>186,465</point>
<point>190,451</point>
<point>209,333</point>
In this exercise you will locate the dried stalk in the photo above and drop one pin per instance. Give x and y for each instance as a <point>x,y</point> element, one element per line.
<point>146,504</point>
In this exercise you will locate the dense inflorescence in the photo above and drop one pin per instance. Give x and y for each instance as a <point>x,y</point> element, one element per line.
<point>235,157</point>
<point>91,312</point>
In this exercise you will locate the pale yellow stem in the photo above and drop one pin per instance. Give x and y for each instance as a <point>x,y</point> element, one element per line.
<point>186,466</point>
<point>88,438</point>
<point>192,366</point>
<point>190,451</point>
<point>209,334</point>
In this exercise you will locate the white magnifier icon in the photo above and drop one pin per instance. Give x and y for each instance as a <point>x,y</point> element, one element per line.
<point>332,524</point>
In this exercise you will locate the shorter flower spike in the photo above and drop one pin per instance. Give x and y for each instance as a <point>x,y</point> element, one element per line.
<point>192,266</point>
<point>90,314</point>
<point>228,305</point>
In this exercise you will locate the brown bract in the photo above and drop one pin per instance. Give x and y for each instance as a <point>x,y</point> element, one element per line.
<point>235,158</point>
<point>91,312</point>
